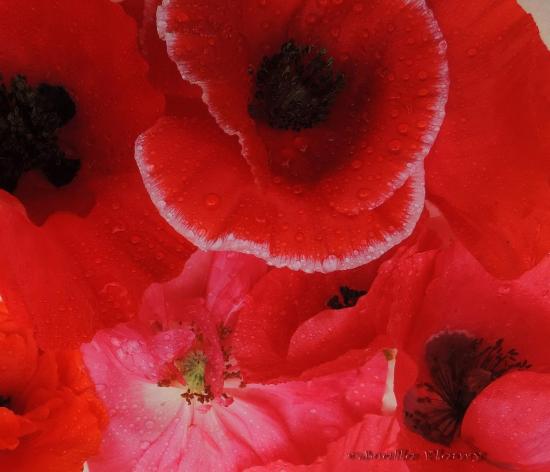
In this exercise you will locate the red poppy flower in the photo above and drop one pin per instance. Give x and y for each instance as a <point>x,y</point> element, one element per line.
<point>68,129</point>
<point>473,370</point>
<point>323,112</point>
<point>50,418</point>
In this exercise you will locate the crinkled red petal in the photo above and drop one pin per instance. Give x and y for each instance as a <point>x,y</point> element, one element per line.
<point>358,161</point>
<point>489,168</point>
<point>203,187</point>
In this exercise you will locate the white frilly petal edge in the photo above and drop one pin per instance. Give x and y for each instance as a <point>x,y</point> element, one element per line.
<point>231,242</point>
<point>355,258</point>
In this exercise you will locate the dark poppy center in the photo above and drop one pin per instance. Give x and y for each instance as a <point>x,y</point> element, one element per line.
<point>348,297</point>
<point>295,88</point>
<point>29,120</point>
<point>460,367</point>
<point>4,402</point>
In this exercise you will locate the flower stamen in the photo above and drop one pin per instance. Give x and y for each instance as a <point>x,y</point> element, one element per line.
<point>349,296</point>
<point>460,367</point>
<point>29,120</point>
<point>295,88</point>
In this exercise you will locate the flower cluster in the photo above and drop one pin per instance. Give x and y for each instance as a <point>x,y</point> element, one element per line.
<point>274,235</point>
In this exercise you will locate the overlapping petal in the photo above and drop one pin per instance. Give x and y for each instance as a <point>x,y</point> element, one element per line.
<point>111,243</point>
<point>488,170</point>
<point>50,417</point>
<point>158,423</point>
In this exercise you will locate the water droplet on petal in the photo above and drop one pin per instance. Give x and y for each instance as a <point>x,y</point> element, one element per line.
<point>212,200</point>
<point>394,146</point>
<point>363,193</point>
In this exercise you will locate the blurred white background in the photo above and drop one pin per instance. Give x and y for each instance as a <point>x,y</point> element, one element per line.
<point>540,9</point>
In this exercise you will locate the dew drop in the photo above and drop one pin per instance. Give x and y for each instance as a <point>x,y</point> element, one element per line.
<point>472,52</point>
<point>301,143</point>
<point>311,18</point>
<point>394,146</point>
<point>423,92</point>
<point>363,193</point>
<point>422,75</point>
<point>212,200</point>
<point>330,263</point>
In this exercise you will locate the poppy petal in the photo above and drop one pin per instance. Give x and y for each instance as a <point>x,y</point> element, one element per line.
<point>203,187</point>
<point>101,259</point>
<point>305,200</point>
<point>509,420</point>
<point>496,135</point>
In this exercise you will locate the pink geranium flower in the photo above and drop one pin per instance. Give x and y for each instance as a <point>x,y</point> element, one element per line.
<point>178,400</point>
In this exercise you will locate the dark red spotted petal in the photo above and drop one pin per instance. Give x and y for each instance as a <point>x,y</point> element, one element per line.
<point>117,245</point>
<point>489,168</point>
<point>202,186</point>
<point>336,186</point>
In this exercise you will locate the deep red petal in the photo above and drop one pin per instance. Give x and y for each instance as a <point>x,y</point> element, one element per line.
<point>489,168</point>
<point>510,420</point>
<point>460,295</point>
<point>334,178</point>
<point>286,328</point>
<point>203,187</point>
<point>101,260</point>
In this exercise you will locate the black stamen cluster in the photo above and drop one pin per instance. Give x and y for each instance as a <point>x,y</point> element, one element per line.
<point>460,367</point>
<point>349,298</point>
<point>295,88</point>
<point>4,402</point>
<point>29,120</point>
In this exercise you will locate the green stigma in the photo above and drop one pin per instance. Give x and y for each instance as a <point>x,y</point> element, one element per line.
<point>192,368</point>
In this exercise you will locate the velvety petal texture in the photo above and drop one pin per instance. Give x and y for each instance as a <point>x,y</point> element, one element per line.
<point>101,241</point>
<point>50,417</point>
<point>401,60</point>
<point>331,197</point>
<point>488,170</point>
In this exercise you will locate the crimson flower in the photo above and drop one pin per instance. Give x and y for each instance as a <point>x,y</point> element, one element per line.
<point>472,369</point>
<point>185,391</point>
<point>50,417</point>
<point>81,240</point>
<point>321,115</point>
